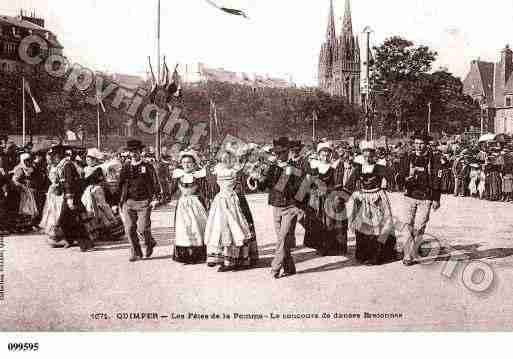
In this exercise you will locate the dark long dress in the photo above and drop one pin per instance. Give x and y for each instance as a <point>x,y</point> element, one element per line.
<point>8,204</point>
<point>446,176</point>
<point>325,218</point>
<point>371,216</point>
<point>493,182</point>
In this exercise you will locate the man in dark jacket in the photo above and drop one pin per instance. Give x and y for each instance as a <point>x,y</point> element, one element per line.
<point>283,186</point>
<point>422,195</point>
<point>139,195</point>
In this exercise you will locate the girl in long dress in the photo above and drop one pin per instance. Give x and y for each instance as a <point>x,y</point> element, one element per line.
<point>474,179</point>
<point>493,181</point>
<point>5,183</point>
<point>507,182</point>
<point>445,175</point>
<point>26,181</point>
<point>325,221</point>
<point>229,237</point>
<point>371,213</point>
<point>95,203</point>
<point>190,214</point>
<point>481,187</point>
<point>53,209</point>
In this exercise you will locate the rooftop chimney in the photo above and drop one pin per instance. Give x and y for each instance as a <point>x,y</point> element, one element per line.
<point>32,18</point>
<point>507,62</point>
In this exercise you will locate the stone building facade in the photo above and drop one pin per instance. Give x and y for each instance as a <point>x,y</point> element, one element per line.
<point>13,30</point>
<point>491,84</point>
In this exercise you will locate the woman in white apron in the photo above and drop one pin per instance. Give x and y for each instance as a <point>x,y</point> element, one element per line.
<point>190,214</point>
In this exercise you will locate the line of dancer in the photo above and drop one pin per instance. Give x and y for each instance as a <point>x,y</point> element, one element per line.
<point>213,223</point>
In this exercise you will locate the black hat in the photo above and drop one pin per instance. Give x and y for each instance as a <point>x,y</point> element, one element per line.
<point>282,144</point>
<point>423,136</point>
<point>57,150</point>
<point>134,144</point>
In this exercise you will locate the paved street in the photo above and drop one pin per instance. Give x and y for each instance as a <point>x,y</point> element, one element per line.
<point>58,290</point>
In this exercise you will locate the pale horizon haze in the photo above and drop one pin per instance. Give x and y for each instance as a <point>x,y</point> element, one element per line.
<point>282,36</point>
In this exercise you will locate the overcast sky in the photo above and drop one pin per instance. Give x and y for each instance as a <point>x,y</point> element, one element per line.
<point>283,36</point>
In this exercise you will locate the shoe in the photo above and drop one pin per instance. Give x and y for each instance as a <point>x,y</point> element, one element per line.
<point>134,259</point>
<point>242,268</point>
<point>322,252</point>
<point>408,262</point>
<point>211,265</point>
<point>275,274</point>
<point>288,274</point>
<point>65,244</point>
<point>223,269</point>
<point>149,249</point>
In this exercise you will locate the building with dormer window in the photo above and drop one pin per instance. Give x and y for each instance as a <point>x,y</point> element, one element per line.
<point>12,32</point>
<point>491,84</point>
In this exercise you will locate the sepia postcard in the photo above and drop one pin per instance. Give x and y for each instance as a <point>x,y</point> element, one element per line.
<point>244,165</point>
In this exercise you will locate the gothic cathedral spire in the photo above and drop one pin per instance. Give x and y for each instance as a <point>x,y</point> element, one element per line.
<point>339,59</point>
<point>347,24</point>
<point>330,31</point>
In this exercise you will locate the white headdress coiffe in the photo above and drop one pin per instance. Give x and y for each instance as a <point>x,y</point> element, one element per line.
<point>367,146</point>
<point>189,153</point>
<point>95,153</point>
<point>325,146</point>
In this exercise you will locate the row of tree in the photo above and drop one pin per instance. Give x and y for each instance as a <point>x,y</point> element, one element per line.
<point>258,114</point>
<point>405,88</point>
<point>60,110</point>
<point>401,76</point>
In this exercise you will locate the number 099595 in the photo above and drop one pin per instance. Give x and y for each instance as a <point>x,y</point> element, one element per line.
<point>23,347</point>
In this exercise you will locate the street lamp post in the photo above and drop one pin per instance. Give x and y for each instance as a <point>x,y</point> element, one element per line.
<point>157,119</point>
<point>483,113</point>
<point>367,85</point>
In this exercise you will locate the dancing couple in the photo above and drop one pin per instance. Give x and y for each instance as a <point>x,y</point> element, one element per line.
<point>222,233</point>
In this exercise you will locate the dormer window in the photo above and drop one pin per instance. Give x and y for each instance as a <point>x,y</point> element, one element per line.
<point>16,32</point>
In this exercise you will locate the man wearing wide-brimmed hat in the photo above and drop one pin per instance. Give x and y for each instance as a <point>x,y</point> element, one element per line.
<point>283,186</point>
<point>139,195</point>
<point>422,195</point>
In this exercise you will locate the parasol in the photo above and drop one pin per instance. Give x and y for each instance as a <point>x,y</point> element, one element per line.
<point>487,137</point>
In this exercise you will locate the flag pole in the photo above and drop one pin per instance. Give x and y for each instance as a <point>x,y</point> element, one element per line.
<point>99,141</point>
<point>24,114</point>
<point>211,121</point>
<point>314,115</point>
<point>429,118</point>
<point>157,119</point>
